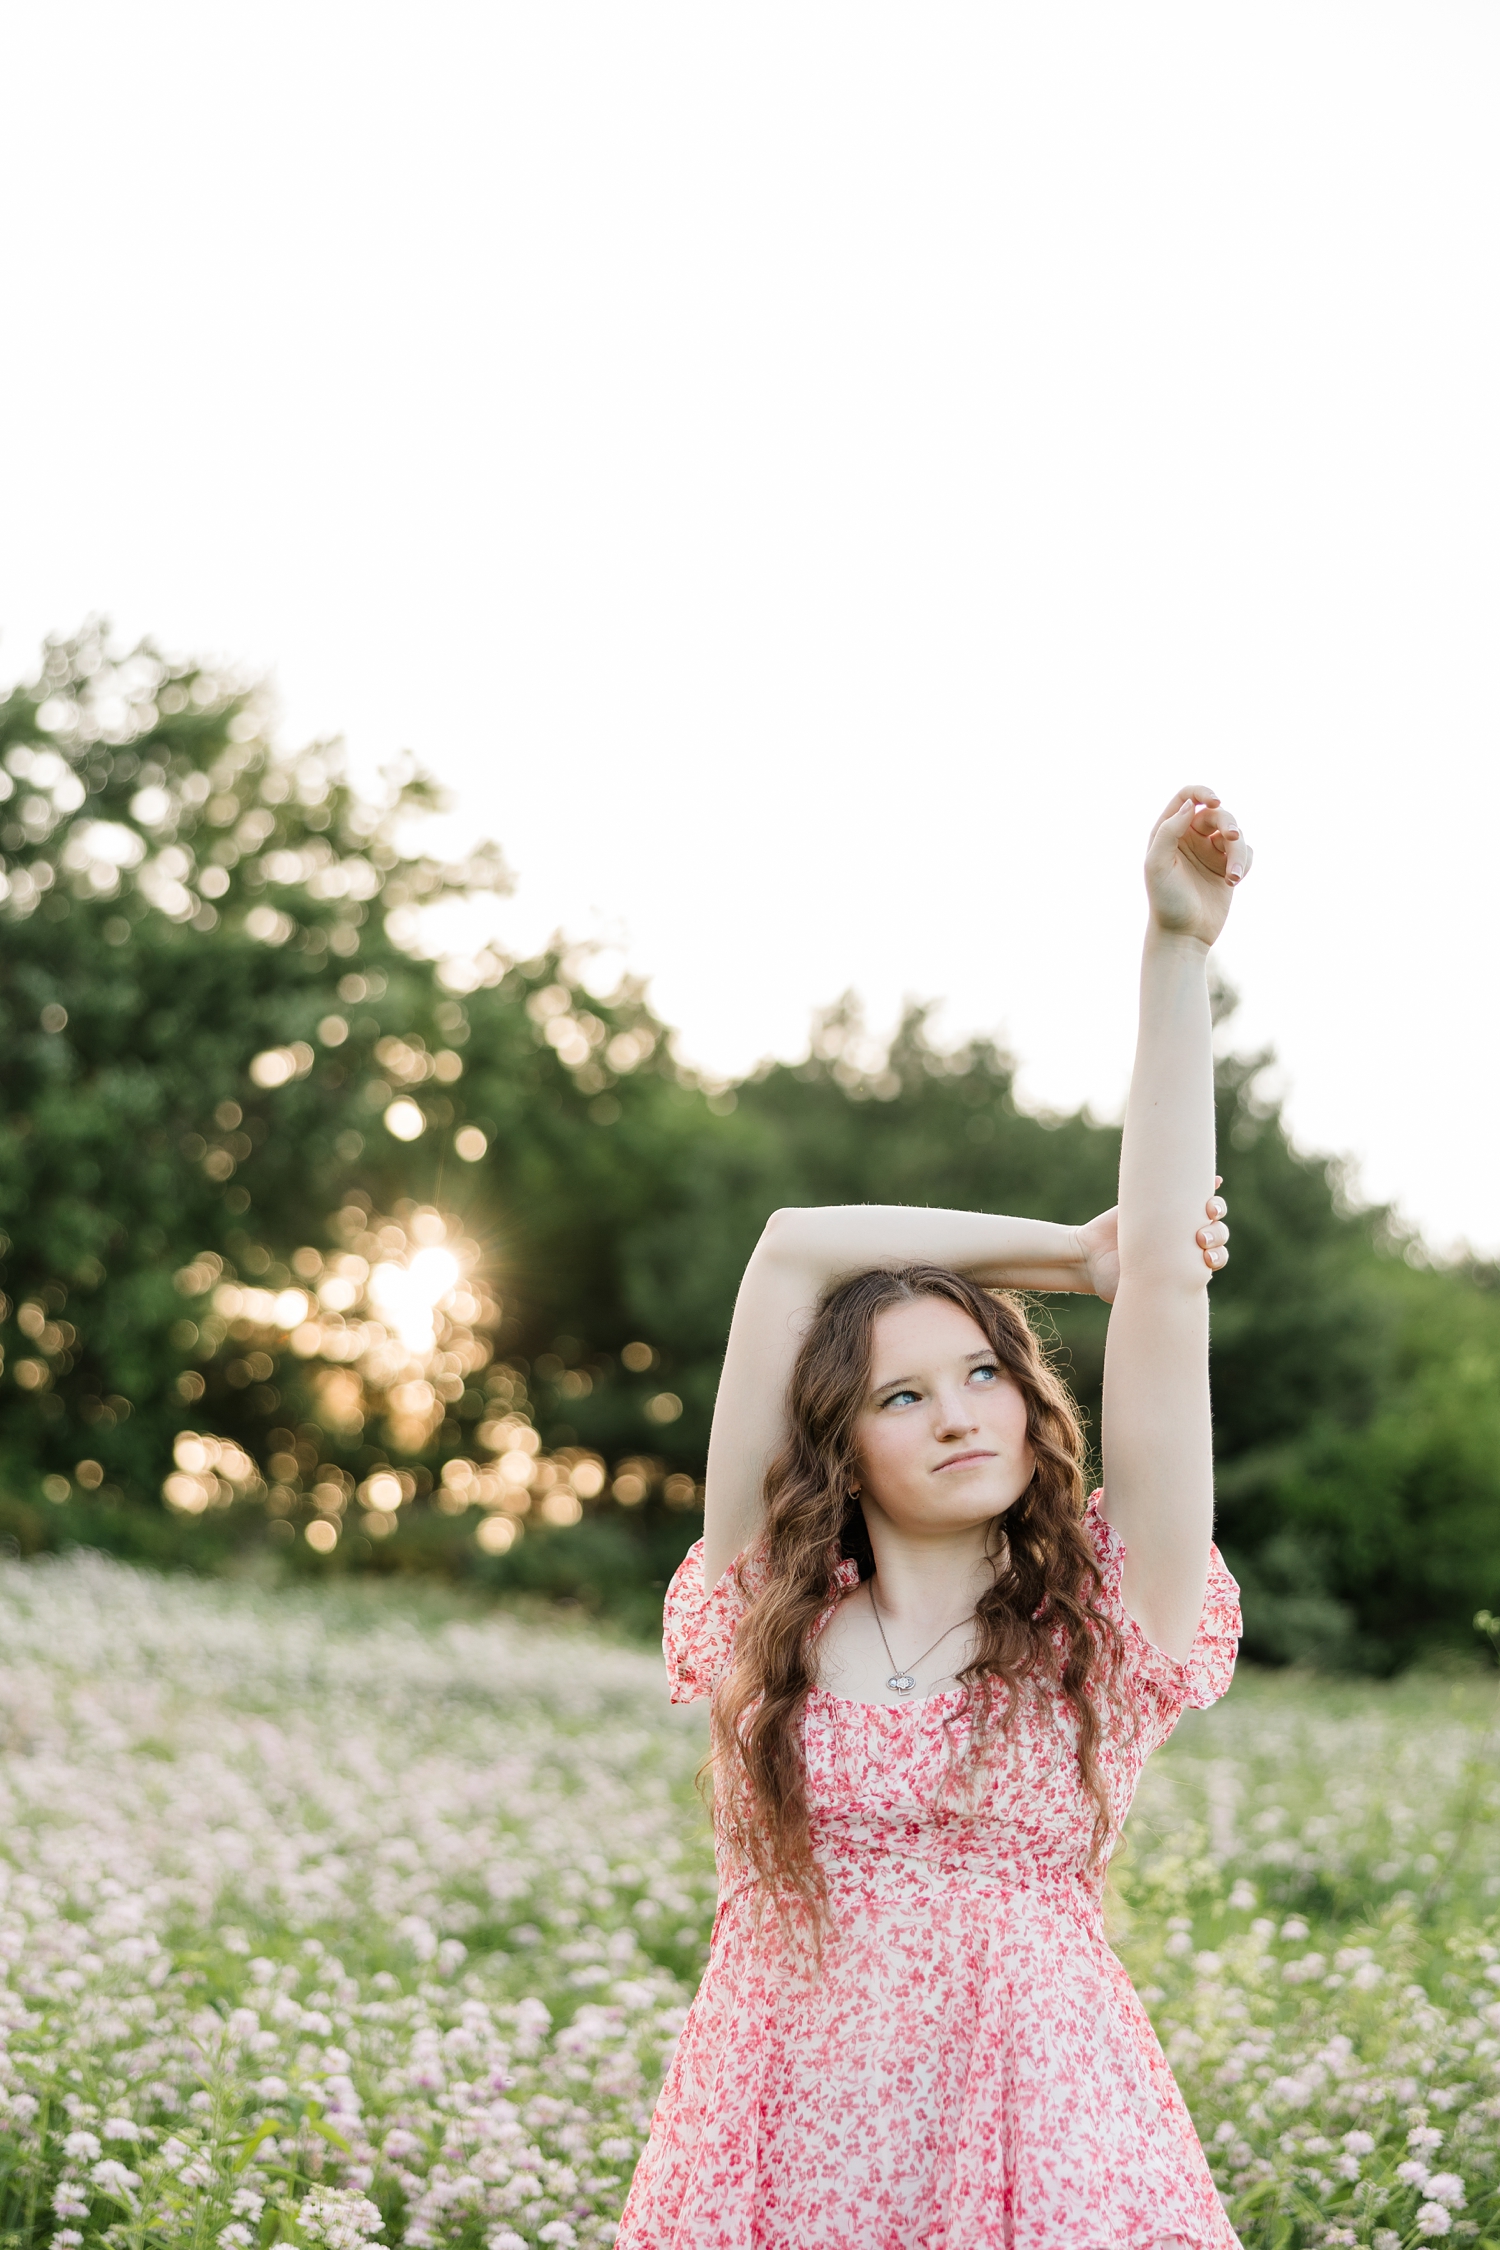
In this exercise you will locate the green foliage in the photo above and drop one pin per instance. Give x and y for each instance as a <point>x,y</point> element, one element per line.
<point>214,984</point>
<point>180,902</point>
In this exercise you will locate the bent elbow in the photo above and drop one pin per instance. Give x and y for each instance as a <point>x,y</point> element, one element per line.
<point>786,1237</point>
<point>801,1239</point>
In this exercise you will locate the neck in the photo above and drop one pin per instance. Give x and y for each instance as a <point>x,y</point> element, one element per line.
<point>931,1580</point>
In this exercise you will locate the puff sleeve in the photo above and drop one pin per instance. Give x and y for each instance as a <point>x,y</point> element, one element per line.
<point>1162,1686</point>
<point>698,1627</point>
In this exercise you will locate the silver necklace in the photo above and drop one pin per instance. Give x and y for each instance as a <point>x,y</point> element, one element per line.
<point>901,1682</point>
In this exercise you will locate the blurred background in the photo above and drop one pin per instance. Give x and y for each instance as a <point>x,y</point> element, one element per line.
<point>806,487</point>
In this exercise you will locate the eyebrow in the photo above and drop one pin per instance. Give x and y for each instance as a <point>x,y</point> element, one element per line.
<point>896,1382</point>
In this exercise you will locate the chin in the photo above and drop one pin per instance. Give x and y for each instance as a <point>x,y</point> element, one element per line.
<point>974,1489</point>
<point>965,1509</point>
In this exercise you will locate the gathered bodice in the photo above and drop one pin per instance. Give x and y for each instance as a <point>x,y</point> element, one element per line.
<point>891,1795</point>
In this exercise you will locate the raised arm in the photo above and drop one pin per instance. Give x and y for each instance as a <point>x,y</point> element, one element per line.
<point>1157,1439</point>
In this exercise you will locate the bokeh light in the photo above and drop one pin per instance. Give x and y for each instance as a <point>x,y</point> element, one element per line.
<point>210,1472</point>
<point>407,1296</point>
<point>391,1332</point>
<point>405,1121</point>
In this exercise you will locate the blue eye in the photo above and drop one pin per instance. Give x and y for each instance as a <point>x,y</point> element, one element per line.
<point>991,1371</point>
<point>896,1396</point>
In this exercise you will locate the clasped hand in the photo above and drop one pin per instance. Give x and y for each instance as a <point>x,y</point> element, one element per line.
<point>1197,858</point>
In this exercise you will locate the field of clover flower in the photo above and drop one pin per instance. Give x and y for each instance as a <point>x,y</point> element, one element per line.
<point>348,1919</point>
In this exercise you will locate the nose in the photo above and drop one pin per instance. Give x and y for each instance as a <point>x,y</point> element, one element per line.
<point>954,1416</point>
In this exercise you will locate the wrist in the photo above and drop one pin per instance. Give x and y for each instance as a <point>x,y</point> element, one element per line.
<point>1184,945</point>
<point>1079,1263</point>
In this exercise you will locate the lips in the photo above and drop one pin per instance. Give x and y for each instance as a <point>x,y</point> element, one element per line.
<point>962,1461</point>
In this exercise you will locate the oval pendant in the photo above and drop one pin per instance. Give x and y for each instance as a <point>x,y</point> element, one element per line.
<point>902,1682</point>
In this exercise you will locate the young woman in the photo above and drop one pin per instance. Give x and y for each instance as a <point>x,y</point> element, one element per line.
<point>936,1673</point>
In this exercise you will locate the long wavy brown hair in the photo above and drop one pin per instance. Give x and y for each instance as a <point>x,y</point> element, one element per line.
<point>1038,1622</point>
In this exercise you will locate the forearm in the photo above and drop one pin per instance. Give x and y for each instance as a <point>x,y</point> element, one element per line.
<point>825,1243</point>
<point>1167,1153</point>
<point>1158,1452</point>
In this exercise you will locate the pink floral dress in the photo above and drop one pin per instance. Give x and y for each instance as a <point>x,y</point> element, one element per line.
<point>971,2070</point>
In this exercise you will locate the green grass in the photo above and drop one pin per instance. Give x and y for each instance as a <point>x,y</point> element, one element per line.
<point>369,1889</point>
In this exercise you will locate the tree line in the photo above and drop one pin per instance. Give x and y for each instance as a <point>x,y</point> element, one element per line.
<point>323,1255</point>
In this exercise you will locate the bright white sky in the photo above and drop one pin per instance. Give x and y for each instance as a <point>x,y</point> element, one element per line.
<point>811,479</point>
